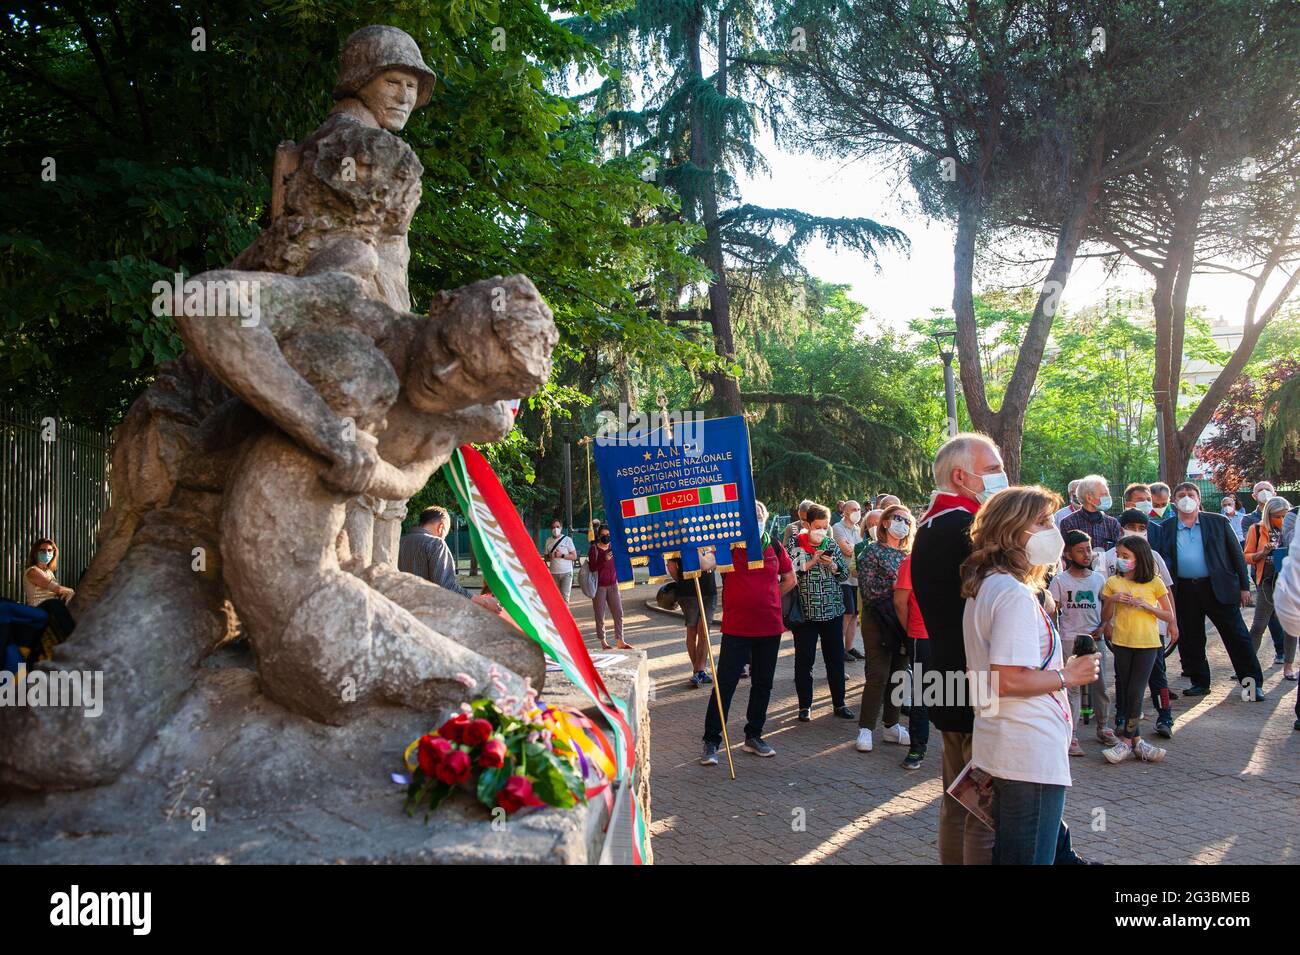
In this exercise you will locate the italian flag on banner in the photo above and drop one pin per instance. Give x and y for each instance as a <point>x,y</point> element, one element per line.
<point>522,582</point>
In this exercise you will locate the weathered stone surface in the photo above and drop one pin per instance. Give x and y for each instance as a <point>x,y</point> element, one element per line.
<point>351,217</point>
<point>147,635</point>
<point>150,448</point>
<point>274,786</point>
<point>460,620</point>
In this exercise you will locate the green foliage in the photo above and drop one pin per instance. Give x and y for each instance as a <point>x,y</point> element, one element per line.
<point>162,156</point>
<point>835,412</point>
<point>1255,428</point>
<point>1091,410</point>
<point>1282,431</point>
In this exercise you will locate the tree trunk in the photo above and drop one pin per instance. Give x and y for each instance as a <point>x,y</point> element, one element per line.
<point>1015,401</point>
<point>726,389</point>
<point>963,309</point>
<point>1006,425</point>
<point>1170,300</point>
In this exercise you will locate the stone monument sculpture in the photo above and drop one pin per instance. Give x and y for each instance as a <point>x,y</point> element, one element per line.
<point>260,479</point>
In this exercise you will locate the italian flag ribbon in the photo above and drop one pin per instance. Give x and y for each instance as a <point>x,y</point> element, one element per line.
<point>686,497</point>
<point>521,581</point>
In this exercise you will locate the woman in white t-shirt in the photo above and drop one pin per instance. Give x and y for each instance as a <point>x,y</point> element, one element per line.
<point>1017,675</point>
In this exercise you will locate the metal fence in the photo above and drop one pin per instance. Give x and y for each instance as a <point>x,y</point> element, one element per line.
<point>53,483</point>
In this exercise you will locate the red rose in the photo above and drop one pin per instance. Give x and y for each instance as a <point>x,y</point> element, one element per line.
<point>432,751</point>
<point>494,754</point>
<point>454,728</point>
<point>476,732</point>
<point>516,794</point>
<point>454,768</point>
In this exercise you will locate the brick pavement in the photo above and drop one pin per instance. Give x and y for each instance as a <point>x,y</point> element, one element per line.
<point>1228,792</point>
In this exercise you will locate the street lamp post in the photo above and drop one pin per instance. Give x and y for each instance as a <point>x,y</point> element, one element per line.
<point>949,391</point>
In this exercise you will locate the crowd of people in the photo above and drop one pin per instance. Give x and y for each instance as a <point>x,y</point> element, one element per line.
<point>1033,617</point>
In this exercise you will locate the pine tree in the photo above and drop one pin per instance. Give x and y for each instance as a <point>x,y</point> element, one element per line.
<point>702,70</point>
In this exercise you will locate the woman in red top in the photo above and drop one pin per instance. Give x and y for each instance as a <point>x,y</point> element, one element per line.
<point>918,650</point>
<point>751,633</point>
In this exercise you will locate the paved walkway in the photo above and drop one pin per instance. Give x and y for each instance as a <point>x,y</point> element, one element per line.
<point>1229,791</point>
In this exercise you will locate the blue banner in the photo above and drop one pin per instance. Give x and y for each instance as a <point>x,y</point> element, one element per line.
<point>669,492</point>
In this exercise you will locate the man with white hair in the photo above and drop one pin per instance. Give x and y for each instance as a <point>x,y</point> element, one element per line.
<point>1263,492</point>
<point>967,471</point>
<point>1071,503</point>
<point>1094,501</point>
<point>1159,501</point>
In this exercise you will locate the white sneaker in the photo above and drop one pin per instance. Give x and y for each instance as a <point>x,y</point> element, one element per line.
<point>1118,753</point>
<point>864,741</point>
<point>896,734</point>
<point>1150,753</point>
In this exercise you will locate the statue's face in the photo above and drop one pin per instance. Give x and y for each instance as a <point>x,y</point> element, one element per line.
<point>391,96</point>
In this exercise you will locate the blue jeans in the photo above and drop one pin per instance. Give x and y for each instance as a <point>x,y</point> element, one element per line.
<point>1029,825</point>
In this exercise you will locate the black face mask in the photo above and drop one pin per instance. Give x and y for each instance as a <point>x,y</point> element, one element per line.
<point>603,540</point>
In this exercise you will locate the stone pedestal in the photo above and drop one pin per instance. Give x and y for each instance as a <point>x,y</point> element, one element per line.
<point>235,778</point>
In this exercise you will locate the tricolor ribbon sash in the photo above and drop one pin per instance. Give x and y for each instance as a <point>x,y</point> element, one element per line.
<point>521,581</point>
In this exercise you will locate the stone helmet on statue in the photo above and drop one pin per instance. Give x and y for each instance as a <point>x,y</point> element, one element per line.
<point>382,67</point>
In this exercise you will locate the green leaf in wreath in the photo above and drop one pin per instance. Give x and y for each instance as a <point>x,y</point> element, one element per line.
<point>549,784</point>
<point>437,793</point>
<point>490,783</point>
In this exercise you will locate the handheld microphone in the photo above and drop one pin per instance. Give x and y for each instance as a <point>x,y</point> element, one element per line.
<point>1084,644</point>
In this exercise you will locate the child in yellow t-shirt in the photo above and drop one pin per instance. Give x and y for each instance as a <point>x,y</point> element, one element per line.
<point>1135,600</point>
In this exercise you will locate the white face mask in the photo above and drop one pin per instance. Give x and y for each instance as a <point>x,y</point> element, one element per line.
<point>1264,496</point>
<point>1229,510</point>
<point>1188,504</point>
<point>557,531</point>
<point>1137,533</point>
<point>1045,546</point>
<point>817,535</point>
<point>1146,507</point>
<point>899,529</point>
<point>854,516</point>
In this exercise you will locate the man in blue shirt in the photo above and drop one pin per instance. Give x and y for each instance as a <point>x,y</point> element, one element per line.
<point>1228,507</point>
<point>1210,581</point>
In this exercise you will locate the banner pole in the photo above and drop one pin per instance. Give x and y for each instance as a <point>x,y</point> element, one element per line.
<point>591,516</point>
<point>713,672</point>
